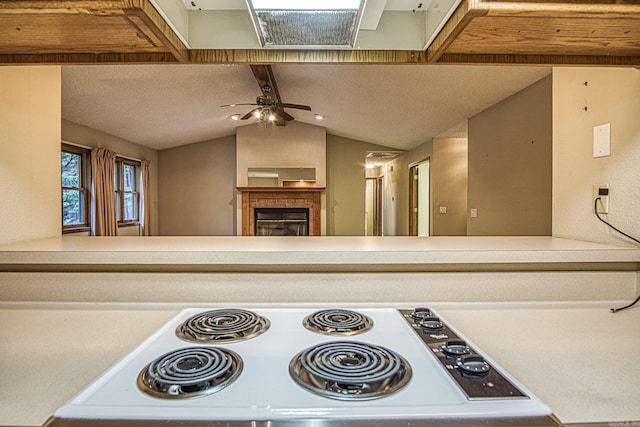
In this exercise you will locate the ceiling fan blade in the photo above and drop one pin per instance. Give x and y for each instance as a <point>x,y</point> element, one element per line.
<point>250,114</point>
<point>280,119</point>
<point>266,81</point>
<point>288,117</point>
<point>233,105</point>
<point>297,106</point>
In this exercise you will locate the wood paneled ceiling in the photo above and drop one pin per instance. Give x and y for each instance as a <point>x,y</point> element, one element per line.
<point>591,32</point>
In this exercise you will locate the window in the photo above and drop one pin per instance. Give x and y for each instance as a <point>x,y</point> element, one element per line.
<point>74,166</point>
<point>127,185</point>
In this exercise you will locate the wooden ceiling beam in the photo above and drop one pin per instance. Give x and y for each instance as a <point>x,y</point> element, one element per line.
<point>87,58</point>
<point>290,56</point>
<point>87,28</point>
<point>589,32</point>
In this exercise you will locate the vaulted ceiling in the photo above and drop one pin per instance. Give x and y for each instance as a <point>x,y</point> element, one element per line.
<point>398,106</point>
<point>399,84</point>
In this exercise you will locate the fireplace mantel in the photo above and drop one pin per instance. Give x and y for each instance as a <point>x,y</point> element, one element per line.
<point>281,197</point>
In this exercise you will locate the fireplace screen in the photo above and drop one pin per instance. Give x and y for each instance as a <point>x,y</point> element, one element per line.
<point>281,221</point>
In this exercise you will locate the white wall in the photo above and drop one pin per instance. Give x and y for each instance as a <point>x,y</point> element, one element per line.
<point>611,96</point>
<point>30,110</point>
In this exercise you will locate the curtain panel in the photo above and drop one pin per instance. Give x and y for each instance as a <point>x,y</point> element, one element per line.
<point>145,200</point>
<point>103,213</point>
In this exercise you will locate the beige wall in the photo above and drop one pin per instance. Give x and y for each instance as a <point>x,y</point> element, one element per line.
<point>88,137</point>
<point>510,154</point>
<point>30,100</point>
<point>346,185</point>
<point>396,199</point>
<point>296,145</point>
<point>449,186</point>
<point>611,96</point>
<point>197,189</point>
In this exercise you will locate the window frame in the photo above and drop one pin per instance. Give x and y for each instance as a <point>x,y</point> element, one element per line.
<point>85,177</point>
<point>120,193</point>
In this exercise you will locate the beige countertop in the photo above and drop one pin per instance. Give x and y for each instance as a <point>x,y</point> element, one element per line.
<point>318,253</point>
<point>580,359</point>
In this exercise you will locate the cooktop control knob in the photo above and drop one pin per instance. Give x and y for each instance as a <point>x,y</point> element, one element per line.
<point>455,348</point>
<point>431,324</point>
<point>420,313</point>
<point>473,365</point>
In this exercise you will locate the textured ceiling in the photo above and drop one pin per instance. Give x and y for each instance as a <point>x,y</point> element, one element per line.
<point>399,106</point>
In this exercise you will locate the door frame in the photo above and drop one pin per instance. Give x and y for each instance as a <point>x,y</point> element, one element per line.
<point>377,204</point>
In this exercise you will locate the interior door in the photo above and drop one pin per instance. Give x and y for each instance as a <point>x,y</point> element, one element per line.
<point>419,205</point>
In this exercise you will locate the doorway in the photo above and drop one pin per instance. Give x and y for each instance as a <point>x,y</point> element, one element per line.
<point>373,206</point>
<point>419,206</point>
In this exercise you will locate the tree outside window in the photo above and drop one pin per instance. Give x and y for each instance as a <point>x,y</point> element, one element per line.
<point>127,184</point>
<point>75,194</point>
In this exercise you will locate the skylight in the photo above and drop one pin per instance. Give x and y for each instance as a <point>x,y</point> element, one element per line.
<point>305,4</point>
<point>309,23</point>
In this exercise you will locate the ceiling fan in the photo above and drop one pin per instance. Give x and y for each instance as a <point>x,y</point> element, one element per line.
<point>269,106</point>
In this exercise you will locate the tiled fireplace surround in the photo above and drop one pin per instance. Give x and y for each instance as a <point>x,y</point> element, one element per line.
<point>280,197</point>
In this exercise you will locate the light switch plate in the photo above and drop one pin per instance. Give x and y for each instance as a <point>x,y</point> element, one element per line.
<point>474,213</point>
<point>602,140</point>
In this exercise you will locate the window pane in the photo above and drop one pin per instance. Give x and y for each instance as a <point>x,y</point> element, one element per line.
<point>118,216</point>
<point>130,207</point>
<point>72,211</point>
<point>70,163</point>
<point>129,178</point>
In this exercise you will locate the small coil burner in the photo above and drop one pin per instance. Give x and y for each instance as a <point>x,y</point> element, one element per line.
<point>190,372</point>
<point>221,326</point>
<point>347,370</point>
<point>337,322</point>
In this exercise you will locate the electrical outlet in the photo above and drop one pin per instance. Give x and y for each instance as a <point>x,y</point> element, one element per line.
<point>601,191</point>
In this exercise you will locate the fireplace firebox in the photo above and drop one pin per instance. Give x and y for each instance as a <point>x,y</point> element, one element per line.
<point>281,221</point>
<point>291,199</point>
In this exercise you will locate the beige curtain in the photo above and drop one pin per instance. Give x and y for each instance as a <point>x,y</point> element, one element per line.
<point>145,200</point>
<point>103,213</point>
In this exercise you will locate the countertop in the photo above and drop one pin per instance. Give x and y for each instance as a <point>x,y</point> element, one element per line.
<point>579,359</point>
<point>311,253</point>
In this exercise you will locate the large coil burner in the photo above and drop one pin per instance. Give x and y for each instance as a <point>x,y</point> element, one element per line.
<point>190,372</point>
<point>337,322</point>
<point>222,326</point>
<point>347,370</point>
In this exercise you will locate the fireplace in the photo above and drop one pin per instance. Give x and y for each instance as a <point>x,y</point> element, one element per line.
<point>281,211</point>
<point>281,221</point>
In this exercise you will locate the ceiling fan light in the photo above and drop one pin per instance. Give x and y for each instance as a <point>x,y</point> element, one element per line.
<point>235,117</point>
<point>258,114</point>
<point>272,117</point>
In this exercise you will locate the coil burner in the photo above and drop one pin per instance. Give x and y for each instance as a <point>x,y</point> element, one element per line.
<point>347,370</point>
<point>222,326</point>
<point>190,372</point>
<point>337,322</point>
